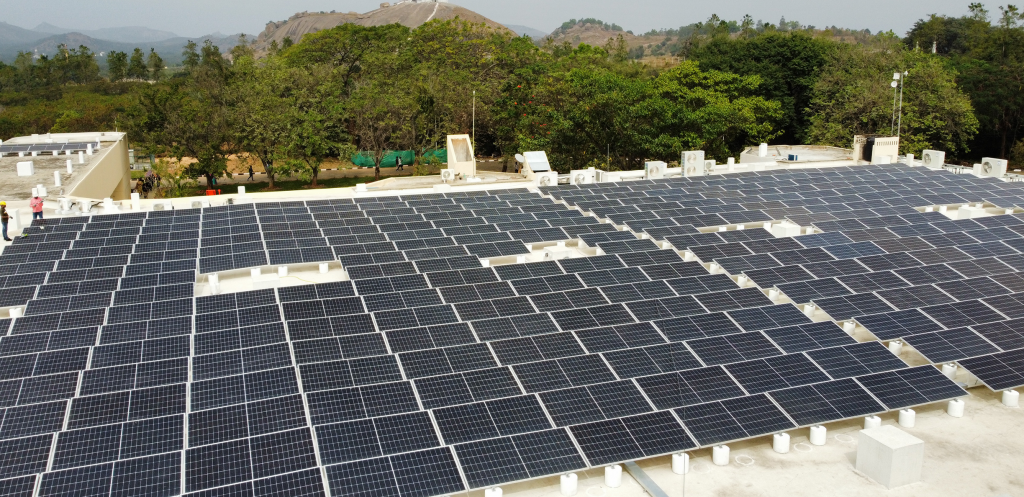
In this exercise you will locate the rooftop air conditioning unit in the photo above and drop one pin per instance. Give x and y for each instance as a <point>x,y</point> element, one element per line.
<point>933,158</point>
<point>549,178</point>
<point>709,165</point>
<point>447,175</point>
<point>693,163</point>
<point>654,170</point>
<point>582,177</point>
<point>991,168</point>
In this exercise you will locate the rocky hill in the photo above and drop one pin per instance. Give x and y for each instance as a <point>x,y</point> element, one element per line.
<point>592,34</point>
<point>411,14</point>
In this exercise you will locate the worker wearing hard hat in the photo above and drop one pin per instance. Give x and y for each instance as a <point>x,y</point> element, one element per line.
<point>4,218</point>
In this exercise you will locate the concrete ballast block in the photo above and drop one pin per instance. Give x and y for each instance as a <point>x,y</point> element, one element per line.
<point>27,168</point>
<point>890,456</point>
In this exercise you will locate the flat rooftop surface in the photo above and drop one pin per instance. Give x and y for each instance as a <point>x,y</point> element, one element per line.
<point>422,342</point>
<point>14,187</point>
<point>806,153</point>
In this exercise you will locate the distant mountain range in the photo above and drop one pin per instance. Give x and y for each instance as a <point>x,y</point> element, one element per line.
<point>526,31</point>
<point>126,34</point>
<point>45,39</point>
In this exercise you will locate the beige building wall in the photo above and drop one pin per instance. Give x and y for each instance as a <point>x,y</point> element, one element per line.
<point>108,174</point>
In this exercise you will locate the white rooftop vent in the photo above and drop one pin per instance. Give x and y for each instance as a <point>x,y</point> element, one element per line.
<point>693,163</point>
<point>537,161</point>
<point>549,178</point>
<point>655,170</point>
<point>582,176</point>
<point>991,168</point>
<point>933,158</point>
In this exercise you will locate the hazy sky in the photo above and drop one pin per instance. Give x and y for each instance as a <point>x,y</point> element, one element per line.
<point>199,17</point>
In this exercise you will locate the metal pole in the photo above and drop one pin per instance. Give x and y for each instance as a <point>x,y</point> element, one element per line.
<point>892,126</point>
<point>899,126</point>
<point>474,122</point>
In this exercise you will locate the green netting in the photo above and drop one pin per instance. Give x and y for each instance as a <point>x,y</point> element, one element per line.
<point>365,159</point>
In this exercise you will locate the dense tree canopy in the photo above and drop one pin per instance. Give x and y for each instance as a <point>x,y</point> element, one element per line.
<point>385,88</point>
<point>988,58</point>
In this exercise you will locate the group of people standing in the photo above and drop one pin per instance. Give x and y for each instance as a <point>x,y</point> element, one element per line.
<point>147,183</point>
<point>37,213</point>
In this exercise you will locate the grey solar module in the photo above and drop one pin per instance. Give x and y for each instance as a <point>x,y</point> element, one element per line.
<point>968,313</point>
<point>998,371</point>
<point>423,326</point>
<point>806,291</point>
<point>823,402</point>
<point>951,345</point>
<point>898,324</point>
<point>846,307</point>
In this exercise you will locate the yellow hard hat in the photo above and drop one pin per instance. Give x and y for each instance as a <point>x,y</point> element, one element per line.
<point>3,203</point>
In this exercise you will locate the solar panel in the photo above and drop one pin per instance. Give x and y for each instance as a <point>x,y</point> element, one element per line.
<point>529,369</point>
<point>998,371</point>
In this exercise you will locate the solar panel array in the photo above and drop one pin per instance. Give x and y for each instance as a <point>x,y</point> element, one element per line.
<point>46,147</point>
<point>428,373</point>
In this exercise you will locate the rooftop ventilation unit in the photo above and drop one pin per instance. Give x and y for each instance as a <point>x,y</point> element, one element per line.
<point>991,168</point>
<point>933,158</point>
<point>582,177</point>
<point>654,170</point>
<point>546,179</point>
<point>693,163</point>
<point>537,161</point>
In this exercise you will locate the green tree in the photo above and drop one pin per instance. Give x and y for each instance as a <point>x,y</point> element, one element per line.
<point>262,106</point>
<point>581,107</point>
<point>117,65</point>
<point>789,65</point>
<point>853,96</point>
<point>316,121</point>
<point>155,63</point>
<point>989,62</point>
<point>137,66</point>
<point>190,57</point>
<point>382,115</point>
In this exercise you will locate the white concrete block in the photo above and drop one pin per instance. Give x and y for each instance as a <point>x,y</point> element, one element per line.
<point>908,418</point>
<point>818,435</point>
<point>969,212</point>
<point>872,422</point>
<point>1011,398</point>
<point>27,168</point>
<point>681,463</point>
<point>955,408</point>
<point>720,455</point>
<point>890,456</point>
<point>613,476</point>
<point>569,484</point>
<point>785,229</point>
<point>780,443</point>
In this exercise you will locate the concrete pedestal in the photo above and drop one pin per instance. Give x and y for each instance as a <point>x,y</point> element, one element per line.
<point>890,456</point>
